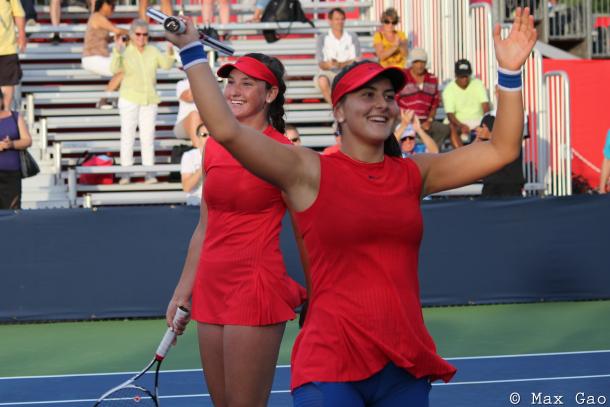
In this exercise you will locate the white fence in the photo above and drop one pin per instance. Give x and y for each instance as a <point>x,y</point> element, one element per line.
<point>452,29</point>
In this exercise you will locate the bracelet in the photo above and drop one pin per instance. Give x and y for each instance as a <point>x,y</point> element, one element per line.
<point>509,80</point>
<point>192,54</point>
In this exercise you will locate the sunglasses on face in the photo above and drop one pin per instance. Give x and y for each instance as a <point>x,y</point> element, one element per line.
<point>407,138</point>
<point>294,140</point>
<point>141,34</point>
<point>393,22</point>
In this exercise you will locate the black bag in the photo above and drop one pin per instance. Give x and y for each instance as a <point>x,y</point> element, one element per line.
<point>211,32</point>
<point>29,167</point>
<point>176,157</point>
<point>283,10</point>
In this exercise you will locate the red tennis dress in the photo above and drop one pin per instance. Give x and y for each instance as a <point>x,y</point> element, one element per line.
<point>241,278</point>
<point>362,234</point>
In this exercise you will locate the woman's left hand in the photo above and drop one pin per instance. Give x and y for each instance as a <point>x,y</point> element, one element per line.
<point>513,51</point>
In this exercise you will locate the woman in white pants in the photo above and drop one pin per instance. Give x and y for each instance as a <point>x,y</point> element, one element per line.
<point>138,97</point>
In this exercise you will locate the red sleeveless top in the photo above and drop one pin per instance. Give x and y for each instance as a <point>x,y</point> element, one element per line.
<point>241,278</point>
<point>362,234</point>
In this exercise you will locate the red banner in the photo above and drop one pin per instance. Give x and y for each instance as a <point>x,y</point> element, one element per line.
<point>590,116</point>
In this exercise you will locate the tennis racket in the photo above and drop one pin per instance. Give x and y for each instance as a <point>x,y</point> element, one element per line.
<point>130,393</point>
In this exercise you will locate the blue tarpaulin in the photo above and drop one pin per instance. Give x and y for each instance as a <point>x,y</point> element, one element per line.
<point>125,261</point>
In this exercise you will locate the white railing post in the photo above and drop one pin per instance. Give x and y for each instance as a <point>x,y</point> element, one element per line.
<point>557,123</point>
<point>44,138</point>
<point>29,111</point>
<point>72,187</point>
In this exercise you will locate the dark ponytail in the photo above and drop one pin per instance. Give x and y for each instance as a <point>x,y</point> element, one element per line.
<point>275,114</point>
<point>391,147</point>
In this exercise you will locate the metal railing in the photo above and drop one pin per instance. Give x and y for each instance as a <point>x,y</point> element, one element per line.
<point>558,173</point>
<point>506,8</point>
<point>439,26</point>
<point>601,36</point>
<point>442,28</point>
<point>578,26</point>
<point>482,47</point>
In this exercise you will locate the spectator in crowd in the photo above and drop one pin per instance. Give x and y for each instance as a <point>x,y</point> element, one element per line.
<point>335,49</point>
<point>508,181</point>
<point>30,12</point>
<point>11,14</point>
<point>421,95</point>
<point>390,44</point>
<point>604,181</point>
<point>191,171</point>
<point>96,55</point>
<point>407,132</point>
<point>166,8</point>
<point>337,146</point>
<point>188,119</point>
<point>465,101</point>
<point>55,13</point>
<point>207,11</point>
<point>138,98</point>
<point>259,9</point>
<point>293,135</point>
<point>14,136</point>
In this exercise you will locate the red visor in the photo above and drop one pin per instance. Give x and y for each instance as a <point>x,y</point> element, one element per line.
<point>363,73</point>
<point>251,67</point>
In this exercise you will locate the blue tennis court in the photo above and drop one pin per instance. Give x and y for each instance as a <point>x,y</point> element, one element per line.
<point>570,379</point>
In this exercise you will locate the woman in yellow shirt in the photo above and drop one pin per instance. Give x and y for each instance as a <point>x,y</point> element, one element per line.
<point>390,44</point>
<point>138,97</point>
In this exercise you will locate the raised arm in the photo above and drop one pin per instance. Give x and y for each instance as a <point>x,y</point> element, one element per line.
<point>290,168</point>
<point>468,164</point>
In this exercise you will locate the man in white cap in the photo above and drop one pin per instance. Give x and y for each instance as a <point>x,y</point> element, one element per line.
<point>421,95</point>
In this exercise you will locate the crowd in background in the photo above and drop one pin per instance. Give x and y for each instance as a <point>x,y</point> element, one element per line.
<point>432,120</point>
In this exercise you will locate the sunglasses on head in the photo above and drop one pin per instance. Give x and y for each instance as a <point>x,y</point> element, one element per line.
<point>387,21</point>
<point>141,34</point>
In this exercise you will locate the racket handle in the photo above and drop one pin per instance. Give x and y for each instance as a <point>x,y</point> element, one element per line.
<point>169,336</point>
<point>176,25</point>
<point>170,23</point>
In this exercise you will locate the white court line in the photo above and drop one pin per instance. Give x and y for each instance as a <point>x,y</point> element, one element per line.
<point>527,355</point>
<point>288,366</point>
<point>111,374</point>
<point>178,396</point>
<point>533,379</point>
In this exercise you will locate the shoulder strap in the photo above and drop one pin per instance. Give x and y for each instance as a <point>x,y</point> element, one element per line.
<point>15,116</point>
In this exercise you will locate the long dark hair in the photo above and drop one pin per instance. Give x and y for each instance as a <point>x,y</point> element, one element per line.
<point>275,114</point>
<point>390,145</point>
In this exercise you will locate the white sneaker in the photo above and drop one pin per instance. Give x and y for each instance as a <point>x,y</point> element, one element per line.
<point>124,181</point>
<point>150,180</point>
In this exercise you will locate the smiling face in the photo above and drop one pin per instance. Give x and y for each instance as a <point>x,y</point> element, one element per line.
<point>418,67</point>
<point>369,114</point>
<point>248,97</point>
<point>140,37</point>
<point>407,144</point>
<point>337,21</point>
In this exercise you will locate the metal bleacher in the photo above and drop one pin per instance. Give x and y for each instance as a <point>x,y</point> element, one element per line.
<point>58,99</point>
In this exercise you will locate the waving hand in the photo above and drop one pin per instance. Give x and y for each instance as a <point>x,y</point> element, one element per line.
<point>513,51</point>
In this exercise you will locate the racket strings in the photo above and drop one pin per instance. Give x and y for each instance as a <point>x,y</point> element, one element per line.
<point>129,396</point>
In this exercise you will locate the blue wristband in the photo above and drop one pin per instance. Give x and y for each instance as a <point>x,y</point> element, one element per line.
<point>509,80</point>
<point>193,54</point>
